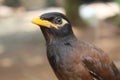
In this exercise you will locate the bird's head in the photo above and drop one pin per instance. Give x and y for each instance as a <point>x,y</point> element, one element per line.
<point>54,25</point>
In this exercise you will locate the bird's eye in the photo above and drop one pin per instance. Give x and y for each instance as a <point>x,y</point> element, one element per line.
<point>58,20</point>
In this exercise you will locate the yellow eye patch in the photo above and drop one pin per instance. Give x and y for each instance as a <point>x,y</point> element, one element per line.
<point>48,24</point>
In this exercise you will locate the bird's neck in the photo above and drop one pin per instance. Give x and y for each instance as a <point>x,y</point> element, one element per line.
<point>57,39</point>
<point>67,38</point>
<point>50,38</point>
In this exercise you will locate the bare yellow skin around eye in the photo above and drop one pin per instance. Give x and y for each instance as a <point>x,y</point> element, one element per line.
<point>45,23</point>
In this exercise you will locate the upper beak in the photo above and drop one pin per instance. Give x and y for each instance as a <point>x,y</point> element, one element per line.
<point>43,23</point>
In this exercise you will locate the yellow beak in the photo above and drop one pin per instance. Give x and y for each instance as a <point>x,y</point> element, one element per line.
<point>43,23</point>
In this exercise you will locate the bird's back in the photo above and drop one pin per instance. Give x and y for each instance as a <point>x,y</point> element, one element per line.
<point>78,60</point>
<point>97,62</point>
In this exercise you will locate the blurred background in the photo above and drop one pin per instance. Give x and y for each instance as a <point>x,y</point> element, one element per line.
<point>22,45</point>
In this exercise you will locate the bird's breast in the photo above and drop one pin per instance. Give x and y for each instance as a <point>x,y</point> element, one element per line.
<point>63,61</point>
<point>58,55</point>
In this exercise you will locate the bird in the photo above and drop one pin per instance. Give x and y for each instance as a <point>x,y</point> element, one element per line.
<point>72,58</point>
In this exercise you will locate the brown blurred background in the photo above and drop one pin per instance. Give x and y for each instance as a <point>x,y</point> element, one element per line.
<point>22,46</point>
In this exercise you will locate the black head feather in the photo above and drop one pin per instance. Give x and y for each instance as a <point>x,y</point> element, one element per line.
<point>53,33</point>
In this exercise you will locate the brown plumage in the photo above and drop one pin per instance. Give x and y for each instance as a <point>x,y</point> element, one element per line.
<point>70,58</point>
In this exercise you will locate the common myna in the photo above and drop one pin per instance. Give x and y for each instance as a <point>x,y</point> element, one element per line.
<point>70,58</point>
